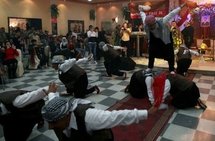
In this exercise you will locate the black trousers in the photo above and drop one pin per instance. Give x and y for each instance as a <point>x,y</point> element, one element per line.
<point>183,65</point>
<point>81,87</point>
<point>127,44</point>
<point>158,49</point>
<point>12,66</point>
<point>165,52</point>
<point>113,66</point>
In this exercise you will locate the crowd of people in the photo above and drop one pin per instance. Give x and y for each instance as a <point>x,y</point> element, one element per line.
<point>74,118</point>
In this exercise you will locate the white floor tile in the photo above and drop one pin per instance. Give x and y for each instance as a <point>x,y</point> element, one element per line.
<point>179,133</point>
<point>206,126</point>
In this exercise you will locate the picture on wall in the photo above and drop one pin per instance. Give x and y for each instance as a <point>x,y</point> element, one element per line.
<point>24,23</point>
<point>205,21</point>
<point>106,25</point>
<point>76,26</point>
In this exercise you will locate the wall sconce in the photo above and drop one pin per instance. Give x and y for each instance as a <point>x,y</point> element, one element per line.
<point>117,19</point>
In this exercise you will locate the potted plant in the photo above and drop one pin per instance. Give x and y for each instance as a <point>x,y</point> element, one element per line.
<point>54,14</point>
<point>92,14</point>
<point>54,11</point>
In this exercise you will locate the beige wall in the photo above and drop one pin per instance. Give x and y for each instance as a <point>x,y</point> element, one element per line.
<point>105,12</point>
<point>27,9</point>
<point>72,11</point>
<point>68,11</point>
<point>41,9</point>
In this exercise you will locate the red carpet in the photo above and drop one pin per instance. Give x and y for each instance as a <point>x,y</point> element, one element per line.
<point>146,130</point>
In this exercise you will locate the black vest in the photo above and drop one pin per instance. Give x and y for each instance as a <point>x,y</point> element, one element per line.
<point>31,111</point>
<point>71,76</point>
<point>179,83</point>
<point>183,53</point>
<point>111,54</point>
<point>185,93</point>
<point>137,87</point>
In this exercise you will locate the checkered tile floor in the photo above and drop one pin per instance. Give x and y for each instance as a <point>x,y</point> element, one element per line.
<point>185,125</point>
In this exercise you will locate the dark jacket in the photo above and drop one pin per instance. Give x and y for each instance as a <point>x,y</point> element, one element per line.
<point>70,77</point>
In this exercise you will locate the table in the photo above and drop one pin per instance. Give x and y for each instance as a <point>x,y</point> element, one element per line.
<point>138,34</point>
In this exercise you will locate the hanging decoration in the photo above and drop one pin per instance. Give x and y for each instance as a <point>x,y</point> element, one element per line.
<point>126,13</point>
<point>54,14</point>
<point>54,11</point>
<point>92,14</point>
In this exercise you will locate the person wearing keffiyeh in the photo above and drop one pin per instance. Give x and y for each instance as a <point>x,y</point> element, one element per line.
<point>76,119</point>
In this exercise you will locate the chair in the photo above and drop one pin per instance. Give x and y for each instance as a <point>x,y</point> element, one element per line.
<point>3,76</point>
<point>20,66</point>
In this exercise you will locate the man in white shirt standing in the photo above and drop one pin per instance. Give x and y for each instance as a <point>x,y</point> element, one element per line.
<point>92,41</point>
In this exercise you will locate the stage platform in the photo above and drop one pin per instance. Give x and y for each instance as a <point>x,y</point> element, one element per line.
<point>199,64</point>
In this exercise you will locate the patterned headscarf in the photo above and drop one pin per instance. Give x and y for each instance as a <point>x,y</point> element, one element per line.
<point>56,109</point>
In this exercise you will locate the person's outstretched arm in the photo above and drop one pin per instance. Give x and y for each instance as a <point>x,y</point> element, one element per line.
<point>173,13</point>
<point>31,97</point>
<point>70,62</point>
<point>99,119</point>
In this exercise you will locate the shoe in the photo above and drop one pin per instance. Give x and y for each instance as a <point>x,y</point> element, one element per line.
<point>97,89</point>
<point>40,124</point>
<point>148,70</point>
<point>124,75</point>
<point>107,75</point>
<point>90,57</point>
<point>127,89</point>
<point>172,73</point>
<point>95,63</point>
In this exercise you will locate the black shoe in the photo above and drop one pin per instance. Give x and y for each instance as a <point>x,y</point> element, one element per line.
<point>127,89</point>
<point>106,75</point>
<point>40,124</point>
<point>97,89</point>
<point>124,75</point>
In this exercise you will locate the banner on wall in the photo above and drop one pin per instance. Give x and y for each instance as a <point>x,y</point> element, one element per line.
<point>159,8</point>
<point>205,21</point>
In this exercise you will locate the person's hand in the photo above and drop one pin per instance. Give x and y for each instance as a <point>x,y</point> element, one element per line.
<point>183,5</point>
<point>52,87</point>
<point>152,110</point>
<point>13,46</point>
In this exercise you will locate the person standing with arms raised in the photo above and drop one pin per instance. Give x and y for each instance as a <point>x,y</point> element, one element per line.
<point>159,37</point>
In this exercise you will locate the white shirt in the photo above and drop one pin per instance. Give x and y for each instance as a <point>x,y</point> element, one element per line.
<point>25,99</point>
<point>96,119</point>
<point>92,34</point>
<point>70,62</point>
<point>102,119</point>
<point>149,82</point>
